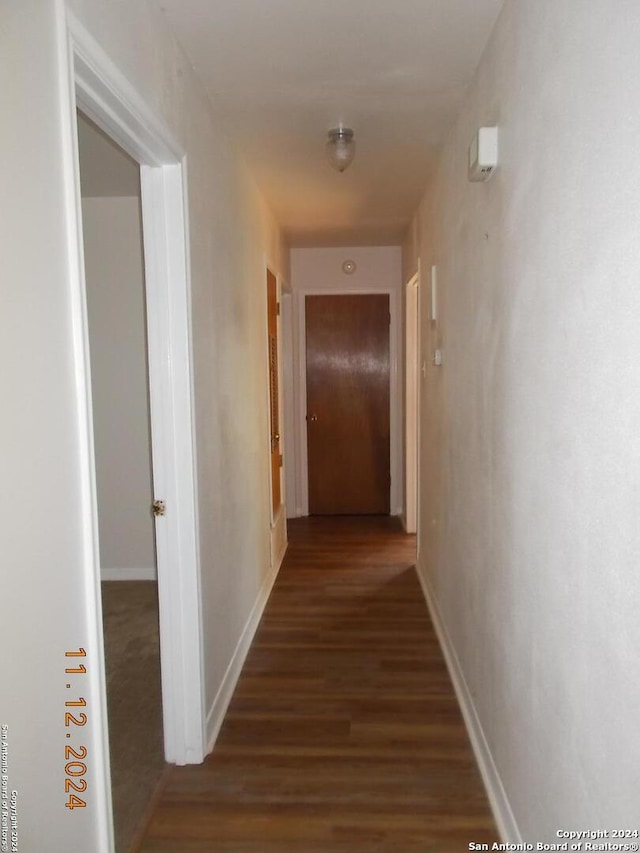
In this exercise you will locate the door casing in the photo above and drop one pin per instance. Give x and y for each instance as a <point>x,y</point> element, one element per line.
<point>300,391</point>
<point>412,402</point>
<point>97,87</point>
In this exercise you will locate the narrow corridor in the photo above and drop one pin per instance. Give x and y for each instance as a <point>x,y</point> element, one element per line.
<point>344,732</point>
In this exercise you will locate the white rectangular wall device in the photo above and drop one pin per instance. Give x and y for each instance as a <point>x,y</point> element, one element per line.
<point>483,154</point>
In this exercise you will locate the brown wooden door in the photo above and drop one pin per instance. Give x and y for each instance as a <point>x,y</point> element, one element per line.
<point>274,401</point>
<point>348,404</point>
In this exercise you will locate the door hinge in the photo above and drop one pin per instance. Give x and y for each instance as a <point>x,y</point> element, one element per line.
<point>158,508</point>
<point>278,308</point>
<point>281,460</point>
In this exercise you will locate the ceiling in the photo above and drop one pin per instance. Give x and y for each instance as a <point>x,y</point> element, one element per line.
<point>281,73</point>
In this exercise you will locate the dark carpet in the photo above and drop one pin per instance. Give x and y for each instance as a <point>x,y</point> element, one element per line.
<point>132,652</point>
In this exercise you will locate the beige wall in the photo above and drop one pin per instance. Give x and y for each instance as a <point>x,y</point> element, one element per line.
<point>120,390</point>
<point>530,442</point>
<point>46,535</point>
<point>231,232</point>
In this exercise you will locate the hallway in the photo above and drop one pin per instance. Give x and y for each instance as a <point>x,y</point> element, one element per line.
<point>523,446</point>
<point>344,732</point>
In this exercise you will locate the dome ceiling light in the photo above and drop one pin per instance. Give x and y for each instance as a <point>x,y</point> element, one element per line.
<point>340,148</point>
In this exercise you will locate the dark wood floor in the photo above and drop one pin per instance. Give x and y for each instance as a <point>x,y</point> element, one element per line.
<point>344,732</point>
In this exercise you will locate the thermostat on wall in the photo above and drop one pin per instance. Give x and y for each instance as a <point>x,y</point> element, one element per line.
<point>483,154</point>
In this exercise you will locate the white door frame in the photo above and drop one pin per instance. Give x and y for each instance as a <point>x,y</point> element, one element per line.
<point>99,89</point>
<point>395,414</point>
<point>412,401</point>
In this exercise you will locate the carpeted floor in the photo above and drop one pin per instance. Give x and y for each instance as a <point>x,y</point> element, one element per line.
<point>132,652</point>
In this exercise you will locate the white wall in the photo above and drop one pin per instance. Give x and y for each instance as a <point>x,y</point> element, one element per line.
<point>530,432</point>
<point>378,269</point>
<point>46,541</point>
<point>120,388</point>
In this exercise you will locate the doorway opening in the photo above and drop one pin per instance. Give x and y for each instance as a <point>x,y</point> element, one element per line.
<point>278,520</point>
<point>98,89</point>
<point>273,308</point>
<point>116,313</point>
<point>303,291</point>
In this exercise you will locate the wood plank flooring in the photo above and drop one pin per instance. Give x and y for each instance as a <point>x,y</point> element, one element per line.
<point>344,732</point>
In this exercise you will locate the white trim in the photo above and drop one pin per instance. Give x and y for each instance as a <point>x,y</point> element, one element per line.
<point>500,806</point>
<point>220,704</point>
<point>411,402</point>
<point>107,97</point>
<point>279,536</point>
<point>96,684</point>
<point>147,574</point>
<point>170,392</point>
<point>395,400</point>
<point>433,308</point>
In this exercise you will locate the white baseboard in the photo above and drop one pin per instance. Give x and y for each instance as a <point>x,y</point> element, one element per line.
<point>148,574</point>
<point>219,706</point>
<point>280,551</point>
<point>500,806</point>
<point>278,537</point>
<point>405,525</point>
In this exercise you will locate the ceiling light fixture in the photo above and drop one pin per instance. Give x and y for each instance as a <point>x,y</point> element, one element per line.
<point>340,147</point>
